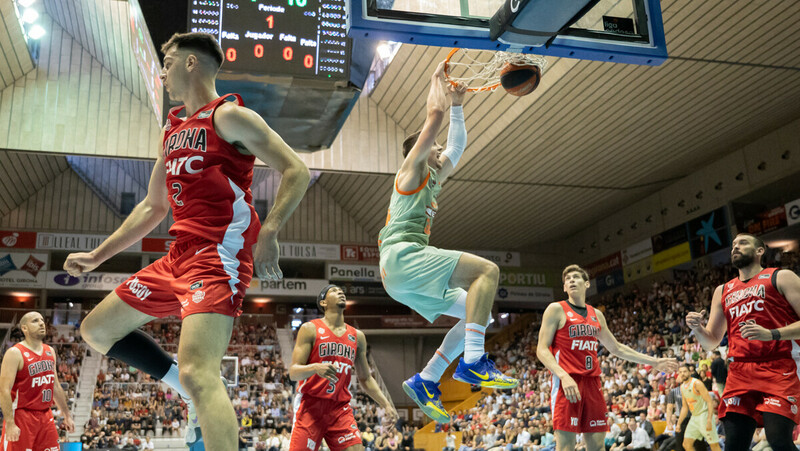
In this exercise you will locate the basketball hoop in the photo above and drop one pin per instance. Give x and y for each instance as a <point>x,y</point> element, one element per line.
<point>479,70</point>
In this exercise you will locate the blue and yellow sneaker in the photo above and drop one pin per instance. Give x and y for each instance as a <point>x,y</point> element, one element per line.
<point>426,394</point>
<point>483,373</point>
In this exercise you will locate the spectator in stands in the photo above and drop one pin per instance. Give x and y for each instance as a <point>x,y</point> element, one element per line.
<point>719,371</point>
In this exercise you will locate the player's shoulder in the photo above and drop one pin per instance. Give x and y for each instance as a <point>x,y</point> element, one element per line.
<point>13,351</point>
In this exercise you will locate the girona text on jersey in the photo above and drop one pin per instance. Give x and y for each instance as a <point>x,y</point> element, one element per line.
<point>757,291</point>
<point>40,367</point>
<point>336,349</point>
<point>583,330</point>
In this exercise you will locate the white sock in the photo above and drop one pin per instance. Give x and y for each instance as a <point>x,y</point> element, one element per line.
<point>474,339</point>
<point>172,379</point>
<point>452,346</point>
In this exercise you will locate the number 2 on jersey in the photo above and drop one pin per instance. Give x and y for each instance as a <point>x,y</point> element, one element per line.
<point>178,188</point>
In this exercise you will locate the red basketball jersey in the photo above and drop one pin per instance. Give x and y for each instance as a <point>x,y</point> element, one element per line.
<point>340,351</point>
<point>757,300</point>
<point>575,344</point>
<point>33,386</point>
<point>208,178</point>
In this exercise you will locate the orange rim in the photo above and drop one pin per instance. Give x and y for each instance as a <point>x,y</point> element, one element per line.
<point>447,75</point>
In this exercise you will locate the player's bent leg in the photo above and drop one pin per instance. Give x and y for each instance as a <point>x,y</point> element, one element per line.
<point>739,430</point>
<point>110,321</point>
<point>778,430</point>
<point>595,441</point>
<point>479,277</point>
<point>565,441</point>
<point>203,342</point>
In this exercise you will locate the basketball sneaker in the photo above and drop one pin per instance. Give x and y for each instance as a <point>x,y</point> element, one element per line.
<point>426,394</point>
<point>483,372</point>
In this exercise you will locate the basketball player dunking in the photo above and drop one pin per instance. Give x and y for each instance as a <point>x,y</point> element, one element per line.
<point>28,387</point>
<point>568,348</point>
<point>434,281</point>
<point>759,311</point>
<point>325,354</point>
<point>203,170</point>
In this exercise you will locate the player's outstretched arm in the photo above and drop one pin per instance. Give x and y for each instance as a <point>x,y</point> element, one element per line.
<point>709,336</point>
<point>12,362</point>
<point>300,368</point>
<point>60,399</point>
<point>788,284</point>
<point>625,352</point>
<point>456,133</point>
<point>246,130</point>
<point>369,383</point>
<point>415,167</point>
<point>145,217</point>
<point>551,321</point>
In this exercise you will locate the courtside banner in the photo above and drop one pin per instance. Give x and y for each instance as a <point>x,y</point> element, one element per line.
<point>288,287</point>
<point>352,273</point>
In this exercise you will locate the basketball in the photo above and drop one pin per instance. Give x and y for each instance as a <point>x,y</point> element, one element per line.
<point>520,79</point>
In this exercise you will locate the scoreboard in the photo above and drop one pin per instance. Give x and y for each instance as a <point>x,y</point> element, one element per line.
<point>304,38</point>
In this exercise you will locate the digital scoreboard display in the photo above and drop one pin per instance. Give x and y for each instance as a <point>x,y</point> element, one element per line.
<point>305,38</point>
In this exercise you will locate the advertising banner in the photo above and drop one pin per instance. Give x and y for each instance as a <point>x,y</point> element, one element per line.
<point>22,269</point>
<point>673,256</point>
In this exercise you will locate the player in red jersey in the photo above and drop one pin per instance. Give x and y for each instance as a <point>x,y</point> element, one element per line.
<point>325,354</point>
<point>203,170</point>
<point>568,348</point>
<point>28,387</point>
<point>759,311</point>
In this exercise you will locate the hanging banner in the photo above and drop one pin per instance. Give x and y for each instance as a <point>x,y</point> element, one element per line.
<point>305,251</point>
<point>670,238</point>
<point>360,253</point>
<point>17,239</point>
<point>638,269</point>
<point>673,256</point>
<point>92,281</point>
<point>352,273</point>
<point>605,265</point>
<point>22,269</point>
<point>709,233</point>
<point>611,280</point>
<point>637,251</point>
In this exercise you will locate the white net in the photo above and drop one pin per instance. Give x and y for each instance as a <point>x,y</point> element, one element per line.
<point>479,70</point>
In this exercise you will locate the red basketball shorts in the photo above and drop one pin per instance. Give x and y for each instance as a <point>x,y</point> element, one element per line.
<point>753,388</point>
<point>586,415</point>
<point>196,276</point>
<point>316,419</point>
<point>37,431</point>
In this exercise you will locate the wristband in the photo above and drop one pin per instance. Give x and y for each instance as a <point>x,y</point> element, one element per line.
<point>776,334</point>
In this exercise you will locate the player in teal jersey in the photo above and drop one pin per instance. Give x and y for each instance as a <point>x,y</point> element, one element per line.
<point>433,281</point>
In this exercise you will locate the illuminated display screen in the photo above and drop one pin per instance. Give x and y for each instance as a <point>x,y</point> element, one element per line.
<point>304,38</point>
<point>149,65</point>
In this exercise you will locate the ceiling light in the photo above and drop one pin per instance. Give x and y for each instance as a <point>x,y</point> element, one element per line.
<point>25,3</point>
<point>36,32</point>
<point>30,15</point>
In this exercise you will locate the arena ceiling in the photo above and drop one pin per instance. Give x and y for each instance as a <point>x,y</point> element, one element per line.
<point>594,137</point>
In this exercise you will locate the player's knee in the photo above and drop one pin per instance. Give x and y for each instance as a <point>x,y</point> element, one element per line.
<point>94,335</point>
<point>197,379</point>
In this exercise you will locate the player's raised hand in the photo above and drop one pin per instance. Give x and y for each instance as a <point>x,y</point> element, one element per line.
<point>570,389</point>
<point>391,416</point>
<point>695,320</point>
<point>326,370</point>
<point>752,331</point>
<point>666,364</point>
<point>438,74</point>
<point>266,256</point>
<point>457,93</point>
<point>12,432</point>
<point>80,262</point>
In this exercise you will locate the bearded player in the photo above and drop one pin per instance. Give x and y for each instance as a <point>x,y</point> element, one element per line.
<point>325,354</point>
<point>28,387</point>
<point>567,346</point>
<point>203,171</point>
<point>759,310</point>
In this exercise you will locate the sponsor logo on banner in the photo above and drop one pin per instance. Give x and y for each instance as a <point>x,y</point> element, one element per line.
<point>75,242</point>
<point>793,212</point>
<point>499,258</point>
<point>539,295</point>
<point>611,280</point>
<point>93,281</point>
<point>17,239</point>
<point>709,233</point>
<point>360,253</point>
<point>639,269</point>
<point>673,256</point>
<point>526,277</point>
<point>371,289</point>
<point>302,251</point>
<point>767,221</point>
<point>288,287</point>
<point>670,238</point>
<point>637,251</point>
<point>605,265</point>
<point>22,269</point>
<point>353,273</point>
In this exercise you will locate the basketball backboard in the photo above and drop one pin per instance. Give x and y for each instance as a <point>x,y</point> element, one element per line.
<point>623,31</point>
